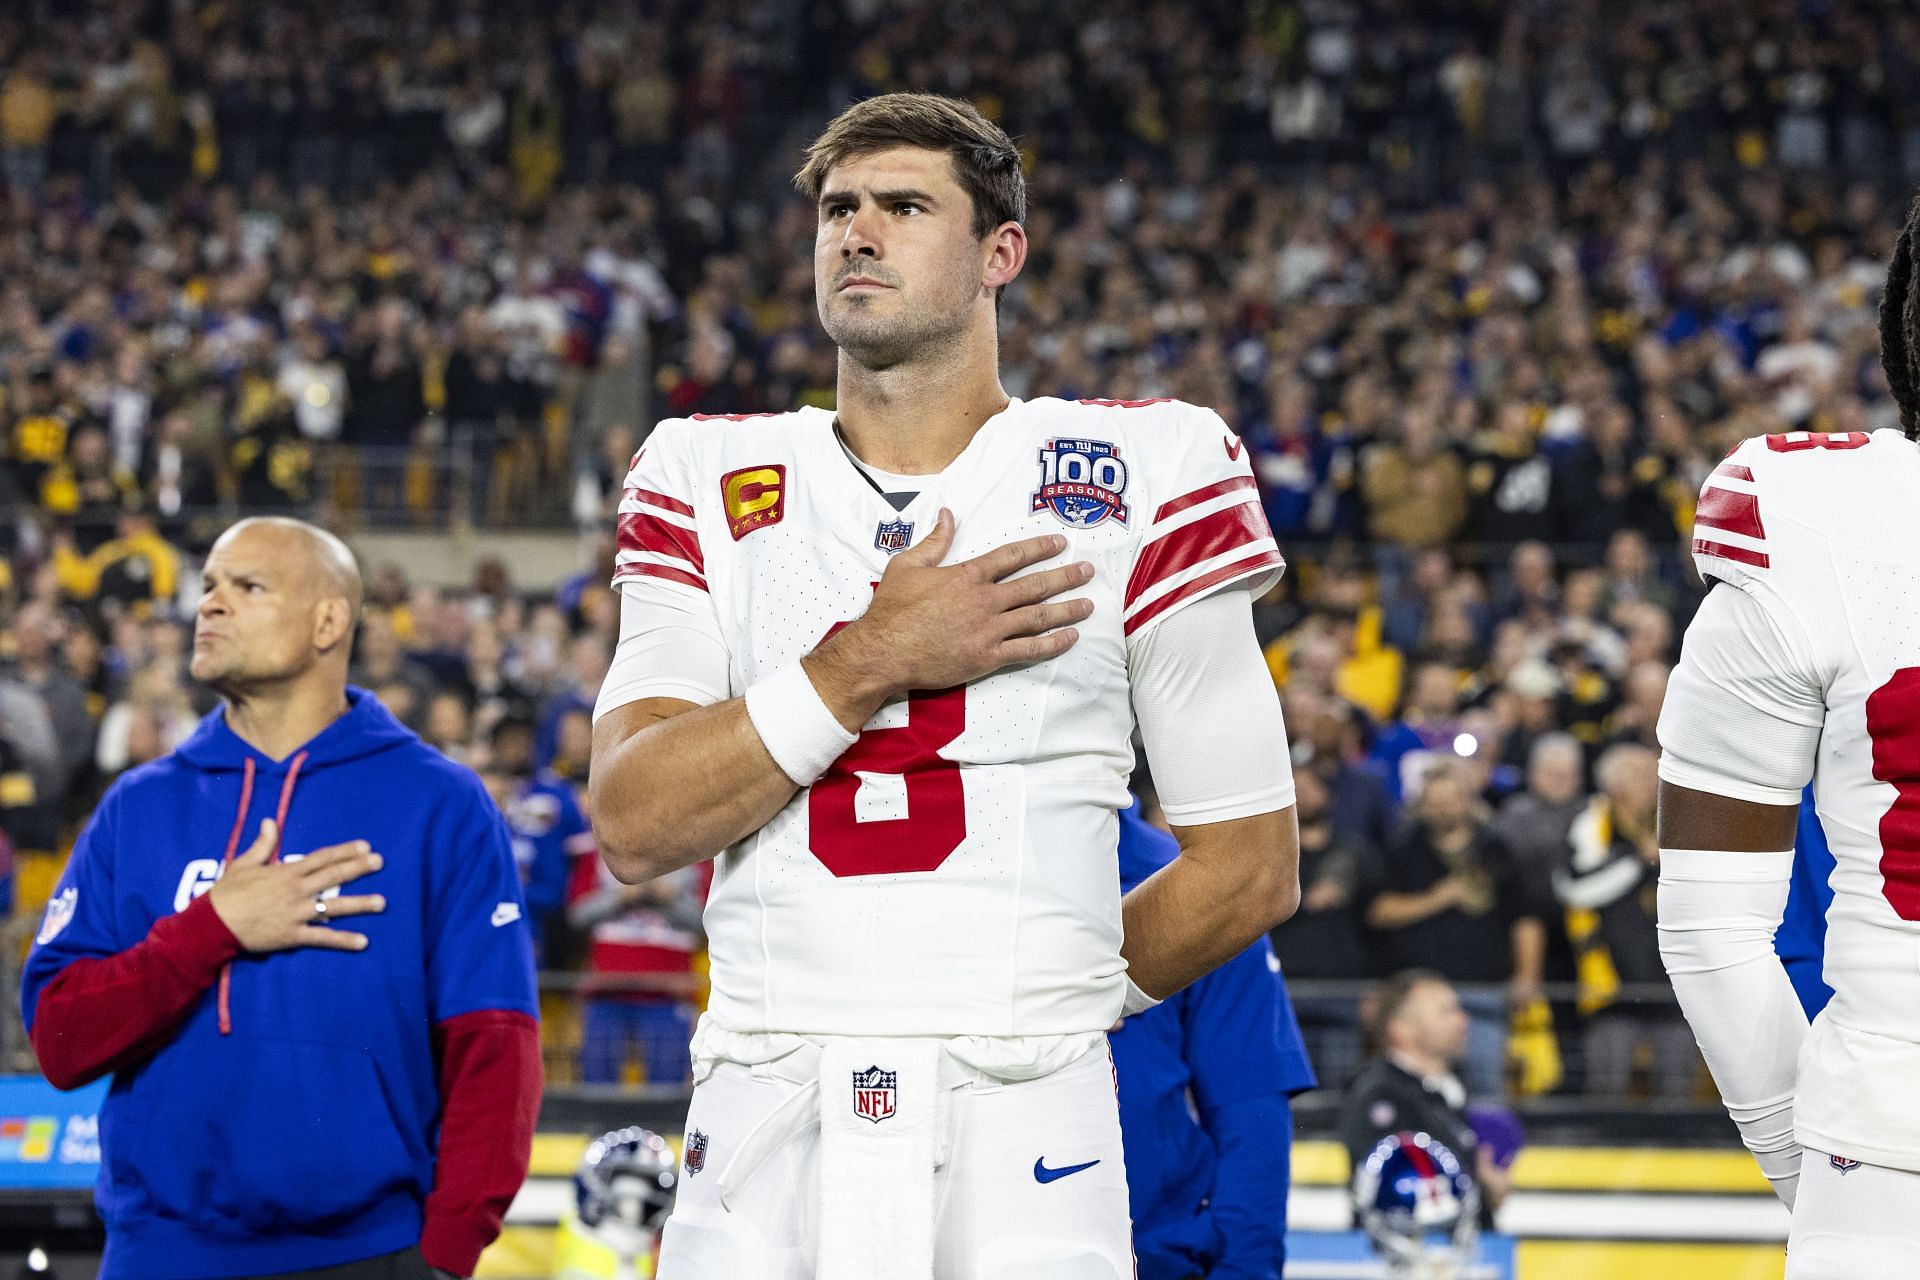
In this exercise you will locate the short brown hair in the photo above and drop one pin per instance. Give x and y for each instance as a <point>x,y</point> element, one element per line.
<point>985,162</point>
<point>1391,997</point>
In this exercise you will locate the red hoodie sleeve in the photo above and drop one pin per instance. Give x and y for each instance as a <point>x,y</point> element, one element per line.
<point>106,1013</point>
<point>489,1100</point>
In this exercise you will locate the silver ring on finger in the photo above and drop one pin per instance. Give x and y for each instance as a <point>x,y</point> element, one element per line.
<point>319,909</point>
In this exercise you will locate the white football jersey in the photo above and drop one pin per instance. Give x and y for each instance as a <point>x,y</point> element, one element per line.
<point>954,872</point>
<point>1823,531</point>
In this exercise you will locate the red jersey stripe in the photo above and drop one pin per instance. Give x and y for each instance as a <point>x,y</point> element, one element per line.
<point>1702,547</point>
<point>639,531</point>
<point>1731,510</point>
<point>647,569</point>
<point>1191,544</point>
<point>1259,562</point>
<point>1733,471</point>
<point>661,500</point>
<point>1199,496</point>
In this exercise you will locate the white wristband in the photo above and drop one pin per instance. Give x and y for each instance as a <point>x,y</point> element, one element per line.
<point>1138,1001</point>
<point>799,731</point>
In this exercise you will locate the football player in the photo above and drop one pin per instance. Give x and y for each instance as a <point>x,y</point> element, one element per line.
<point>1804,662</point>
<point>884,664</point>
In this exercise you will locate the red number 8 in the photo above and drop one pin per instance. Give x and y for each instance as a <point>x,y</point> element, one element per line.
<point>936,820</point>
<point>1893,711</point>
<point>1788,442</point>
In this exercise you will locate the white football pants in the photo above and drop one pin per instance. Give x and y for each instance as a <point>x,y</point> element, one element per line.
<point>1005,1208</point>
<point>1862,1223</point>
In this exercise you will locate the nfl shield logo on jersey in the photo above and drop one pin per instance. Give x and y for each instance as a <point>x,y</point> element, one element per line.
<point>874,1094</point>
<point>893,536</point>
<point>696,1157</point>
<point>1844,1165</point>
<point>1083,481</point>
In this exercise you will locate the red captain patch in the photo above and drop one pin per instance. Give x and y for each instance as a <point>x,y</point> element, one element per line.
<point>754,497</point>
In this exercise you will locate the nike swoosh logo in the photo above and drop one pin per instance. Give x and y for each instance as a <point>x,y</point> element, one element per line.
<point>1044,1175</point>
<point>1233,448</point>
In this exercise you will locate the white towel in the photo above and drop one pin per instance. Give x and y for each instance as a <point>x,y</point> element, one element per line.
<point>879,1132</point>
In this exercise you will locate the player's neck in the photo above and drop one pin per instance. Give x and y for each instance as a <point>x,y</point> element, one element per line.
<point>914,418</point>
<point>277,720</point>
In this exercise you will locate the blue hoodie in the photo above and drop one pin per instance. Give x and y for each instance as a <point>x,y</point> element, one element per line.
<point>1208,1194</point>
<point>305,1136</point>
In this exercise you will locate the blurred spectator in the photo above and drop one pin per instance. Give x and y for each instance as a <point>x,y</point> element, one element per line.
<point>448,724</point>
<point>1608,888</point>
<point>137,571</point>
<point>550,833</point>
<point>1630,576</point>
<point>1339,646</point>
<point>1426,730</point>
<point>1330,738</point>
<point>30,768</point>
<point>1799,369</point>
<point>1511,480</point>
<point>1421,1033</point>
<point>1415,489</point>
<point>1408,614</point>
<point>1451,899</point>
<point>315,383</point>
<point>153,718</point>
<point>588,656</point>
<point>1638,715</point>
<point>380,660</point>
<point>641,943</point>
<point>35,635</point>
<point>28,109</point>
<point>1533,823</point>
<point>1326,939</point>
<point>1532,692</point>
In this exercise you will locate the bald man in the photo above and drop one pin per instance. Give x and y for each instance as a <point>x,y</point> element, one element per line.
<point>298,946</point>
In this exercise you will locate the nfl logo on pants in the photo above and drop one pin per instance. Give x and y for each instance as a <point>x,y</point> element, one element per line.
<point>874,1094</point>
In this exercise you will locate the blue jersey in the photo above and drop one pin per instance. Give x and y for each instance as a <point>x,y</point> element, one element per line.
<point>548,831</point>
<point>1208,1178</point>
<point>1801,941</point>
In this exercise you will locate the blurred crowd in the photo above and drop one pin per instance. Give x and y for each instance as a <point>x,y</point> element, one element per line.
<point>1475,755</point>
<point>1457,270</point>
<point>1487,288</point>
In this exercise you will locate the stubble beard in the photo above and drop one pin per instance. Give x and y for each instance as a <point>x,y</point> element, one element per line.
<point>914,331</point>
<point>879,342</point>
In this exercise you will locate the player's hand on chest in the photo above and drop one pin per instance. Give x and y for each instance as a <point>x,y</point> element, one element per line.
<point>935,623</point>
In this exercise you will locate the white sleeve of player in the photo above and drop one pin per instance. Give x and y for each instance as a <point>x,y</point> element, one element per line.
<point>1209,714</point>
<point>671,646</point>
<point>1745,706</point>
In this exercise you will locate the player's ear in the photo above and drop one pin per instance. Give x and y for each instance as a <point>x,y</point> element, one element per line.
<point>1006,247</point>
<point>332,624</point>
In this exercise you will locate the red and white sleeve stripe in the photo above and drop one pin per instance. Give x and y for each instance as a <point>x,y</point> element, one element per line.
<point>657,538</point>
<point>1726,525</point>
<point>1197,543</point>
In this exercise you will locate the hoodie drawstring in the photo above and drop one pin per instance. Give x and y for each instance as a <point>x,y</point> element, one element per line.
<point>233,845</point>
